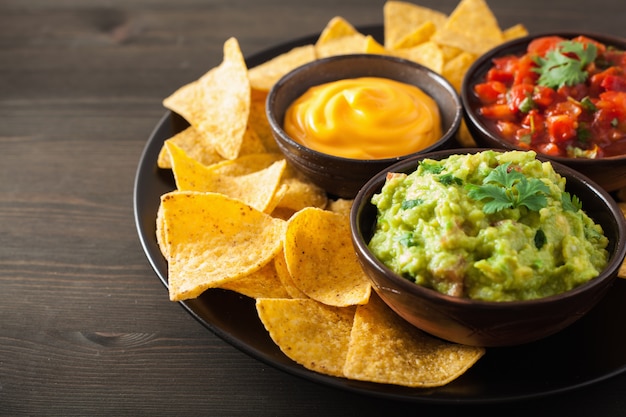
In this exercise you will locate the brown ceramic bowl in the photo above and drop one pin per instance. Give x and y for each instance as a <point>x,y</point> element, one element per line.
<point>609,172</point>
<point>343,177</point>
<point>484,323</point>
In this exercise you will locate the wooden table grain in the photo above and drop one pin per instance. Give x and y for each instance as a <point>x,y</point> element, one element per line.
<point>86,327</point>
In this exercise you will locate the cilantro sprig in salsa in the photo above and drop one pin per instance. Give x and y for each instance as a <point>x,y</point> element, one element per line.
<point>563,97</point>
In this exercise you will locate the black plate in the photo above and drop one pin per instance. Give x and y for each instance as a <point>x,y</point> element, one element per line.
<point>591,350</point>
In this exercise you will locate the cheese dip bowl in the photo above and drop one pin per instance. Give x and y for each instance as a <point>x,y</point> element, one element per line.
<point>494,320</point>
<point>356,125</point>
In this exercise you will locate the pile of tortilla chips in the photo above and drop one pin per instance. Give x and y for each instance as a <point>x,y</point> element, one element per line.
<point>243,220</point>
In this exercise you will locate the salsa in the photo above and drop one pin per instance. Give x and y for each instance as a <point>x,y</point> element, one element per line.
<point>563,97</point>
<point>364,118</point>
<point>488,226</point>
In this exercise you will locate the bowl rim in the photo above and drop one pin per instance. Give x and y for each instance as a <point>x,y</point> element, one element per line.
<point>438,79</point>
<point>374,185</point>
<point>519,45</point>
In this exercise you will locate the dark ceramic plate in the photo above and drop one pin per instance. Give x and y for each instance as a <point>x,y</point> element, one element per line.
<point>591,350</point>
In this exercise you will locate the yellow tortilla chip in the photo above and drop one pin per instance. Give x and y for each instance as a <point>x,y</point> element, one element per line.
<point>336,28</point>
<point>310,333</point>
<point>471,27</point>
<point>464,137</point>
<point>258,123</point>
<point>514,32</point>
<point>218,104</point>
<point>341,206</point>
<point>352,44</point>
<point>280,265</point>
<point>386,349</point>
<point>455,69</point>
<point>160,232</point>
<point>321,258</point>
<point>420,35</point>
<point>401,19</point>
<point>256,189</point>
<point>194,144</point>
<point>373,47</point>
<point>263,283</point>
<point>213,239</point>
<point>264,76</point>
<point>428,54</point>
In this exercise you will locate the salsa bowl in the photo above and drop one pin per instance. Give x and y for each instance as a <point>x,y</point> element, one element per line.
<point>523,117</point>
<point>344,176</point>
<point>489,323</point>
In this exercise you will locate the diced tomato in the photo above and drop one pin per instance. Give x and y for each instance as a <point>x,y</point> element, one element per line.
<point>543,44</point>
<point>561,128</point>
<point>524,73</point>
<point>497,112</point>
<point>507,129</point>
<point>534,121</point>
<point>517,94</point>
<point>489,92</point>
<point>551,149</point>
<point>543,96</point>
<point>614,83</point>
<point>576,91</point>
<point>499,75</point>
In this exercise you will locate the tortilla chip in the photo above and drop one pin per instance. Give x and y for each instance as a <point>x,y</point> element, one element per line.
<point>263,283</point>
<point>386,349</point>
<point>352,44</point>
<point>218,104</point>
<point>321,258</point>
<point>258,123</point>
<point>310,333</point>
<point>160,232</point>
<point>280,265</point>
<point>264,76</point>
<point>514,32</point>
<point>471,27</point>
<point>214,239</point>
<point>341,206</point>
<point>256,189</point>
<point>401,19</point>
<point>464,137</point>
<point>420,35</point>
<point>194,144</point>
<point>373,47</point>
<point>428,54</point>
<point>336,28</point>
<point>455,69</point>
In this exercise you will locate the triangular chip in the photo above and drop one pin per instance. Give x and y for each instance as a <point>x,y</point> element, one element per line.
<point>194,144</point>
<point>264,76</point>
<point>514,32</point>
<point>336,28</point>
<point>258,123</point>
<point>321,258</point>
<point>455,69</point>
<point>257,189</point>
<point>352,44</point>
<point>402,18</point>
<point>420,35</point>
<point>386,349</point>
<point>472,27</point>
<point>310,333</point>
<point>263,283</point>
<point>428,54</point>
<point>218,104</point>
<point>213,239</point>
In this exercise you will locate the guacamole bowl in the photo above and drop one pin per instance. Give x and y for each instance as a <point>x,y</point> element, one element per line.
<point>343,176</point>
<point>477,322</point>
<point>511,101</point>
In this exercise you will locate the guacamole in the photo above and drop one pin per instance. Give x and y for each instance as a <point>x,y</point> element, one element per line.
<point>494,226</point>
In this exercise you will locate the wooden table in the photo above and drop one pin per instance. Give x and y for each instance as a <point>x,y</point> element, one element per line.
<point>86,327</point>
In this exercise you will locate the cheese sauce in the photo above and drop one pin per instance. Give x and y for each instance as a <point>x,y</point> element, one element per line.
<point>364,118</point>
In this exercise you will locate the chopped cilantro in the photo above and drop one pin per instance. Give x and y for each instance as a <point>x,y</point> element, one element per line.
<point>526,105</point>
<point>565,65</point>
<point>431,167</point>
<point>408,204</point>
<point>449,179</point>
<point>508,188</point>
<point>588,105</point>
<point>570,202</point>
